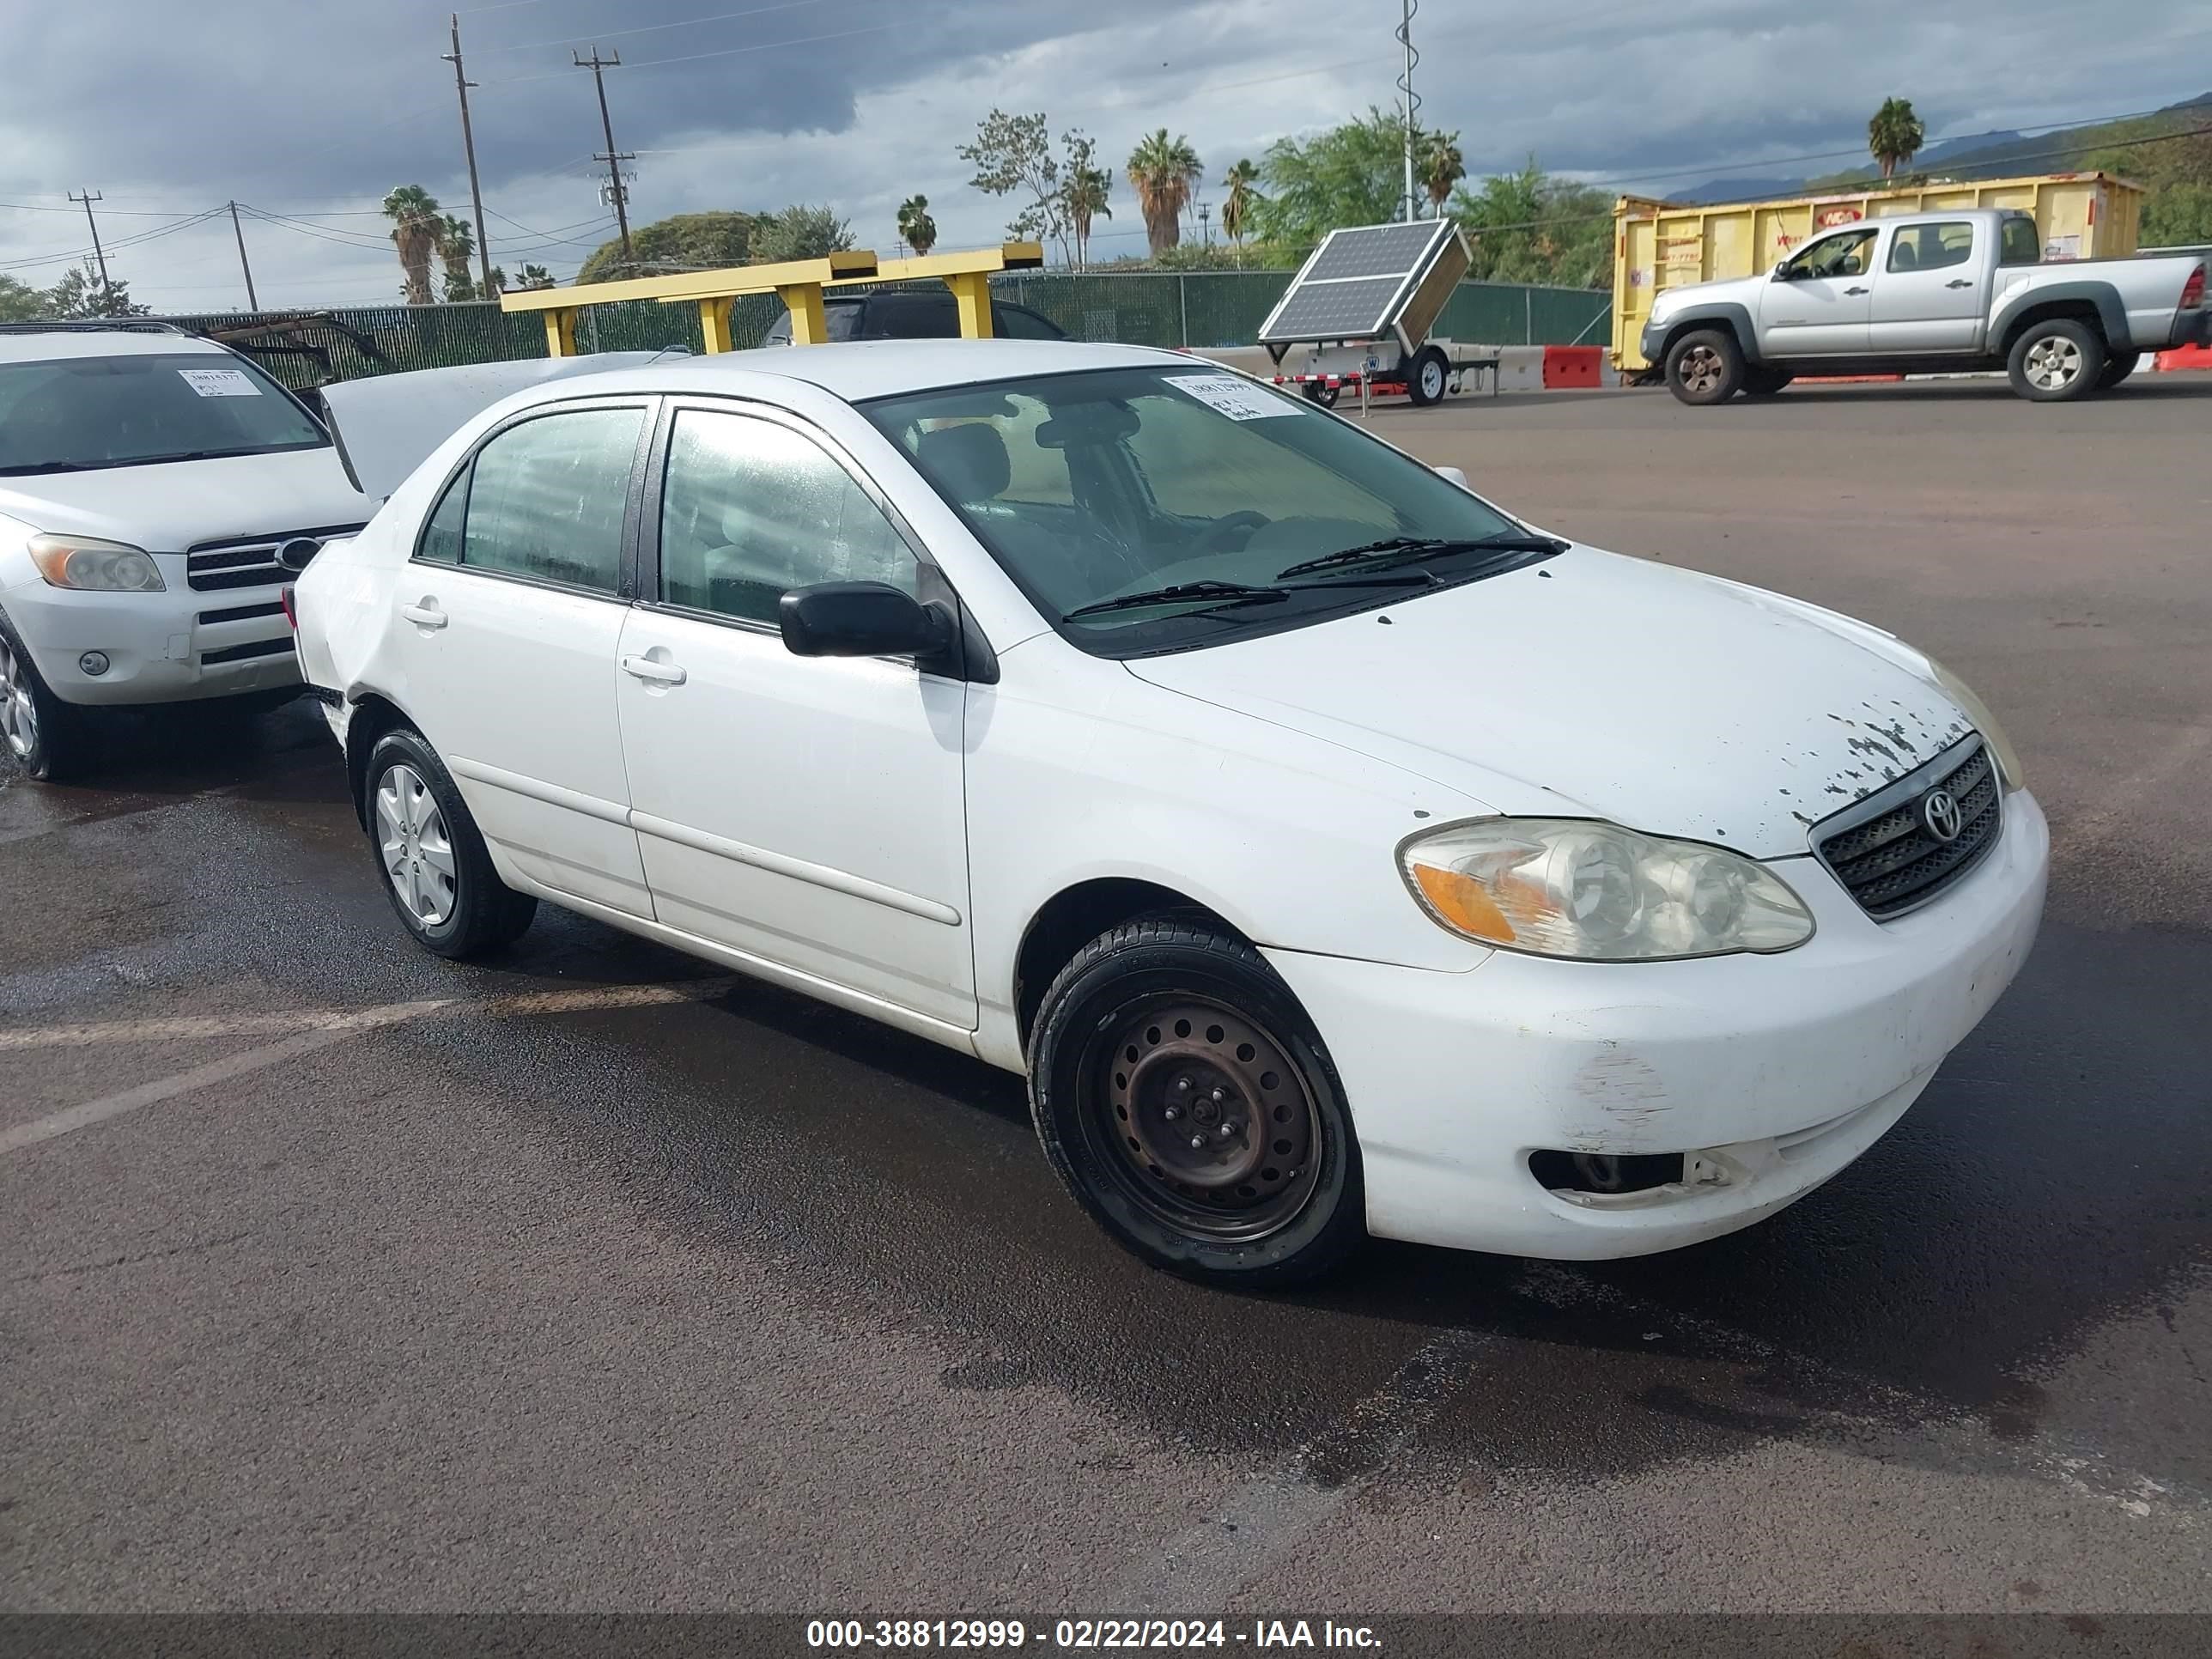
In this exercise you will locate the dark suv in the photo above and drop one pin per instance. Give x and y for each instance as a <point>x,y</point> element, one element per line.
<point>908,316</point>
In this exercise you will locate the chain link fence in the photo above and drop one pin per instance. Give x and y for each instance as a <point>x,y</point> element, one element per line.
<point>1203,309</point>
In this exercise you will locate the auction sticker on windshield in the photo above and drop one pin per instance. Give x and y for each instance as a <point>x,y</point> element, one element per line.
<point>221,382</point>
<point>1239,399</point>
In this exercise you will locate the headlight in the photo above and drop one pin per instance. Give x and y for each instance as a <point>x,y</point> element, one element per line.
<point>100,567</point>
<point>1985,722</point>
<point>1572,887</point>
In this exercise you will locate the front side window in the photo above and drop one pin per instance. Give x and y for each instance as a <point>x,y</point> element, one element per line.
<point>545,499</point>
<point>1105,486</point>
<point>2020,243</point>
<point>1845,255</point>
<point>752,509</point>
<point>1932,247</point>
<point>84,414</point>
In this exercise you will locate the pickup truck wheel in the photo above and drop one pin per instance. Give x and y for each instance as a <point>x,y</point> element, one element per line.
<point>431,856</point>
<point>1765,382</point>
<point>1705,366</point>
<point>2117,369</point>
<point>1428,376</point>
<point>1184,1098</point>
<point>2057,360</point>
<point>46,736</point>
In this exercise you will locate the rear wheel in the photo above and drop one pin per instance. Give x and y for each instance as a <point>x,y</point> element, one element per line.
<point>1705,366</point>
<point>2117,369</point>
<point>1184,1097</point>
<point>1428,376</point>
<point>436,871</point>
<point>2057,360</point>
<point>1317,393</point>
<point>48,739</point>
<point>1765,382</point>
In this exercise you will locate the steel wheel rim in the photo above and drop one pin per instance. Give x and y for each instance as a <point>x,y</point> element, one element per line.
<point>1432,379</point>
<point>416,849</point>
<point>1182,1068</point>
<point>2053,363</point>
<point>1701,368</point>
<point>19,716</point>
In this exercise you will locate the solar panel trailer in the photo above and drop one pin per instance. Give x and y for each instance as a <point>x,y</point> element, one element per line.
<point>1362,306</point>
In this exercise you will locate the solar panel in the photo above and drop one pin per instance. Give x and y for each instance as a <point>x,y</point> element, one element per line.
<point>1356,283</point>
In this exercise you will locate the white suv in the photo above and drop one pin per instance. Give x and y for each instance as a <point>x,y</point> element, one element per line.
<point>156,491</point>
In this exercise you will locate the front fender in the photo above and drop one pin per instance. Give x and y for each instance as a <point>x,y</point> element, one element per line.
<point>1732,313</point>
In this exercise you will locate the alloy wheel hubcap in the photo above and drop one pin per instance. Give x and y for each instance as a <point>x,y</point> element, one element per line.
<point>417,852</point>
<point>19,716</point>
<point>2053,363</point>
<point>1701,368</point>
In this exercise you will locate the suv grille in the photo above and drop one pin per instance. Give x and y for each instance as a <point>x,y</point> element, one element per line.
<point>251,562</point>
<point>1884,851</point>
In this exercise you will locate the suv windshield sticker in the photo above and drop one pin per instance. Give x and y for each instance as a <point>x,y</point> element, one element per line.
<point>1233,396</point>
<point>221,382</point>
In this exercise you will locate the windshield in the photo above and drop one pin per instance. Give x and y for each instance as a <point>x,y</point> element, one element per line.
<point>1108,484</point>
<point>77,414</point>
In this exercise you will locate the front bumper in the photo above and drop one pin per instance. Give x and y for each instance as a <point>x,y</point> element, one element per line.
<point>170,646</point>
<point>1777,1071</point>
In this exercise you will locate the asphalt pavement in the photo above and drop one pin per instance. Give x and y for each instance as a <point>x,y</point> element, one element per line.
<point>592,1279</point>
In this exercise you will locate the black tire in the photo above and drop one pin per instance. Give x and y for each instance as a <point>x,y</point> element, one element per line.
<point>52,741</point>
<point>1765,382</point>
<point>2057,360</point>
<point>1221,1046</point>
<point>483,913</point>
<point>1428,377</point>
<point>1316,392</point>
<point>2117,368</point>
<point>1705,366</point>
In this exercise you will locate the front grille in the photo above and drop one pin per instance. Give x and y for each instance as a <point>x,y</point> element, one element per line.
<point>1882,850</point>
<point>250,561</point>
<point>244,612</point>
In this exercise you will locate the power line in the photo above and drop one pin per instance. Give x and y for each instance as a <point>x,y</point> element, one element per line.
<point>654,29</point>
<point>695,57</point>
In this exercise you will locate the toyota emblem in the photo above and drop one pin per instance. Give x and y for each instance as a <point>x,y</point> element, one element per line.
<point>1939,810</point>
<point>295,555</point>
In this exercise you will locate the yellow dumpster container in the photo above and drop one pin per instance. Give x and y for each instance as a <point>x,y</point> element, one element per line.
<point>1660,244</point>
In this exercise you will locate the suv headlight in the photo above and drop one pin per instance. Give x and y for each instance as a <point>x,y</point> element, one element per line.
<point>1575,887</point>
<point>81,561</point>
<point>1975,709</point>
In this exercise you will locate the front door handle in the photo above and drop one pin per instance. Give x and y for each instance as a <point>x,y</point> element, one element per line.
<point>425,614</point>
<point>653,673</point>
<point>1958,282</point>
<point>1854,290</point>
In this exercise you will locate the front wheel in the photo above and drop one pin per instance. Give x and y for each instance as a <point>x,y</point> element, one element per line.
<point>436,871</point>
<point>2056,360</point>
<point>1185,1099</point>
<point>47,736</point>
<point>1705,366</point>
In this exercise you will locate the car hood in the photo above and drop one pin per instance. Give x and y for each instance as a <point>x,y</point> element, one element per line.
<point>1594,685</point>
<point>1744,290</point>
<point>166,509</point>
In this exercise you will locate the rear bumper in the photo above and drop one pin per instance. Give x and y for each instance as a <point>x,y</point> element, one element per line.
<point>2193,327</point>
<point>172,647</point>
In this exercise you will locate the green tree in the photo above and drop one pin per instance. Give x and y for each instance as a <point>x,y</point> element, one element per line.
<point>1240,190</point>
<point>1353,174</point>
<point>916,227</point>
<point>1894,136</point>
<point>686,242</point>
<point>456,245</point>
<point>81,295</point>
<point>2175,172</point>
<point>1087,190</point>
<point>1012,155</point>
<point>416,222</point>
<point>799,231</point>
<point>1528,227</point>
<point>1438,166</point>
<point>20,302</point>
<point>1164,171</point>
<point>538,276</point>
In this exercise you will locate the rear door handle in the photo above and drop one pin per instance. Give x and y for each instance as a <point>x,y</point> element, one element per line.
<point>1854,290</point>
<point>1958,282</point>
<point>425,614</point>
<point>655,673</point>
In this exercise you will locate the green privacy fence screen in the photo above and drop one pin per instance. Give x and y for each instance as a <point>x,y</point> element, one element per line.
<point>1158,308</point>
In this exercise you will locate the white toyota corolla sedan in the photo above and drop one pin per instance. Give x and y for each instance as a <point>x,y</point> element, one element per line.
<point>1336,853</point>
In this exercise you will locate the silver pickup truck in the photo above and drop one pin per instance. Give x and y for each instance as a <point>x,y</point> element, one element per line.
<point>1929,293</point>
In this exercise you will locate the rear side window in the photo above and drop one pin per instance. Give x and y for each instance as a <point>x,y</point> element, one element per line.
<point>913,317</point>
<point>2020,243</point>
<point>1019,323</point>
<point>442,537</point>
<point>544,499</point>
<point>1932,247</point>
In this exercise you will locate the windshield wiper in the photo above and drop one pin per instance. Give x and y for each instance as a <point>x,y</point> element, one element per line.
<point>1232,593</point>
<point>43,466</point>
<point>1403,549</point>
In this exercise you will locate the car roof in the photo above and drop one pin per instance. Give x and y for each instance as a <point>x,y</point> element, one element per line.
<point>860,369</point>
<point>45,345</point>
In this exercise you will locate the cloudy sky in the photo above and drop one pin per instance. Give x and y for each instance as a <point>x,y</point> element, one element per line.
<point>310,110</point>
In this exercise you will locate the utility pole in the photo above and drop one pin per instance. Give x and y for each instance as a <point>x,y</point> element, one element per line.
<point>252,303</point>
<point>613,158</point>
<point>461,84</point>
<point>106,290</point>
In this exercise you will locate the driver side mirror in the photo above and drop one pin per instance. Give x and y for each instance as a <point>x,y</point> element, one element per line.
<point>1782,273</point>
<point>1453,475</point>
<point>861,619</point>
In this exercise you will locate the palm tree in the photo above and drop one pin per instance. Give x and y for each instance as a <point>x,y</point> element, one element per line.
<point>456,245</point>
<point>1163,170</point>
<point>1895,135</point>
<point>414,226</point>
<point>1238,185</point>
<point>537,276</point>
<point>916,227</point>
<point>1086,189</point>
<point>1440,166</point>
